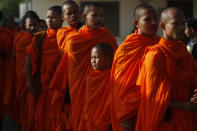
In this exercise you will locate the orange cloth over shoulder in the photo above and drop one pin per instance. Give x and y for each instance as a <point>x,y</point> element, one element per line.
<point>27,101</point>
<point>73,70</point>
<point>6,40</point>
<point>50,57</point>
<point>97,101</point>
<point>62,33</point>
<point>168,73</point>
<point>11,101</point>
<point>126,95</point>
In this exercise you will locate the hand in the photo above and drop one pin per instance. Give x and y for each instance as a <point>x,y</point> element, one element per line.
<point>194,98</point>
<point>128,125</point>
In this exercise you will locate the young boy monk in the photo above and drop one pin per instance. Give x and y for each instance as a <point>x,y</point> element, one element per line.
<point>42,59</point>
<point>29,23</point>
<point>168,79</point>
<point>71,15</point>
<point>125,94</point>
<point>75,65</point>
<point>97,102</point>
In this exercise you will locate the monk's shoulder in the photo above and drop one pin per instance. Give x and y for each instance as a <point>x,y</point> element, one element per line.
<point>63,31</point>
<point>154,56</point>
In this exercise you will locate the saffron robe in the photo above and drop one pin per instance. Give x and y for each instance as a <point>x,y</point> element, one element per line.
<point>6,40</point>
<point>97,101</point>
<point>168,73</point>
<point>125,95</point>
<point>11,101</point>
<point>26,99</point>
<point>62,34</point>
<point>73,70</point>
<point>50,57</point>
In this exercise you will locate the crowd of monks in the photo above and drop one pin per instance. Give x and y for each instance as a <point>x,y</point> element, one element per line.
<point>76,78</point>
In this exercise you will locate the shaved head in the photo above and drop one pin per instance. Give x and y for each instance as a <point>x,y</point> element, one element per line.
<point>105,48</point>
<point>88,6</point>
<point>137,10</point>
<point>69,2</point>
<point>171,12</point>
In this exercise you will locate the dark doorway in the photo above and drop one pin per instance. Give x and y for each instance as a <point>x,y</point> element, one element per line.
<point>185,5</point>
<point>111,16</point>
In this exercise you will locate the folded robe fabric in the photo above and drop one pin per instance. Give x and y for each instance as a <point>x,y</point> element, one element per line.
<point>97,101</point>
<point>6,40</point>
<point>11,101</point>
<point>27,101</point>
<point>62,33</point>
<point>125,95</point>
<point>49,60</point>
<point>168,73</point>
<point>73,70</point>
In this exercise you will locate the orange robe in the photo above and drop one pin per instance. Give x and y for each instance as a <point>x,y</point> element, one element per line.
<point>73,70</point>
<point>26,99</point>
<point>125,95</point>
<point>50,57</point>
<point>97,101</point>
<point>5,46</point>
<point>11,102</point>
<point>168,73</point>
<point>62,34</point>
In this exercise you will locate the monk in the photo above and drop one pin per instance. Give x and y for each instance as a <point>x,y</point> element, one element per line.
<point>167,79</point>
<point>5,50</point>
<point>30,24</point>
<point>97,101</point>
<point>125,95</point>
<point>71,15</point>
<point>42,59</point>
<point>75,65</point>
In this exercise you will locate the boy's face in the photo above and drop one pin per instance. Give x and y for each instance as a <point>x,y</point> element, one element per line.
<point>98,60</point>
<point>53,20</point>
<point>71,15</point>
<point>147,22</point>
<point>175,27</point>
<point>94,18</point>
<point>31,25</point>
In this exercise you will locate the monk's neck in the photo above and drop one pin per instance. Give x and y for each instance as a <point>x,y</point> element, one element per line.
<point>92,28</point>
<point>76,26</point>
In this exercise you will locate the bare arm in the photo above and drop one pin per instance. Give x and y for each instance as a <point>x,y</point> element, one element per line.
<point>190,106</point>
<point>31,83</point>
<point>194,98</point>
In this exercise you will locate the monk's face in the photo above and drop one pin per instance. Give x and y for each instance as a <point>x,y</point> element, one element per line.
<point>31,25</point>
<point>94,18</point>
<point>147,22</point>
<point>71,15</point>
<point>174,28</point>
<point>53,20</point>
<point>98,60</point>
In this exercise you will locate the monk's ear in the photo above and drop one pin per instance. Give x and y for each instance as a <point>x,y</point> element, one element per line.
<point>162,26</point>
<point>135,22</point>
<point>84,17</point>
<point>62,16</point>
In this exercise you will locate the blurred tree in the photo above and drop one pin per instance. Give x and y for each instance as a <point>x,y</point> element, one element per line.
<point>10,7</point>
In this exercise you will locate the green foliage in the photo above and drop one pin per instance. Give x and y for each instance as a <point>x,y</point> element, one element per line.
<point>10,7</point>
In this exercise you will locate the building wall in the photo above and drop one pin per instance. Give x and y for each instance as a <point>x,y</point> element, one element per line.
<point>41,6</point>
<point>126,11</point>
